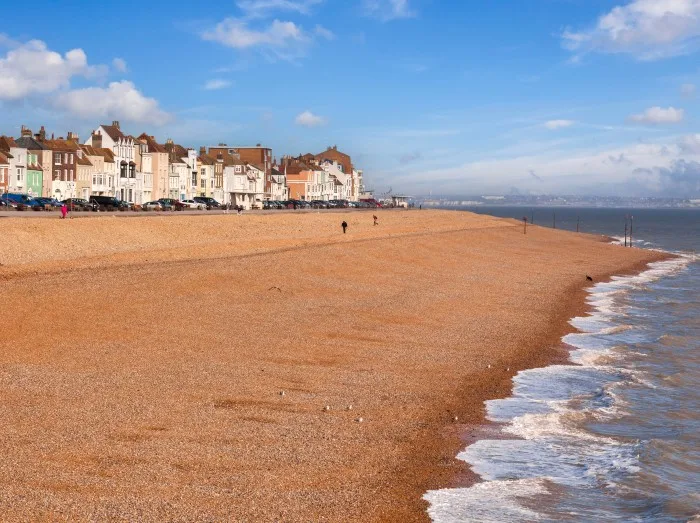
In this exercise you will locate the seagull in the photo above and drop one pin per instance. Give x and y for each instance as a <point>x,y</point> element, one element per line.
<point>588,278</point>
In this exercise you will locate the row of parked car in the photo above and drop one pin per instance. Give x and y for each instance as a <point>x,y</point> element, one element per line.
<point>23,202</point>
<point>319,204</point>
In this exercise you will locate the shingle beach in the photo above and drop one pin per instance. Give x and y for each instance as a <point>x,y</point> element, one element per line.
<point>267,367</point>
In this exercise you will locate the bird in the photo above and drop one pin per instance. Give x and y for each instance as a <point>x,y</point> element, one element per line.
<point>588,278</point>
<point>349,407</point>
<point>359,420</point>
<point>455,419</point>
<point>326,408</point>
<point>281,393</point>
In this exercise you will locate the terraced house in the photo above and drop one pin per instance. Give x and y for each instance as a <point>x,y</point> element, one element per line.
<point>35,145</point>
<point>4,170</point>
<point>127,156</point>
<point>17,182</point>
<point>104,171</point>
<point>155,163</point>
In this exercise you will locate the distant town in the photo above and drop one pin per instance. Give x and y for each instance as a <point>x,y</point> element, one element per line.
<point>141,170</point>
<point>558,201</point>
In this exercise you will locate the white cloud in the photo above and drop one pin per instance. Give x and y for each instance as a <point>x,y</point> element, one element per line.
<point>645,29</point>
<point>659,115</point>
<point>309,119</point>
<point>665,168</point>
<point>690,144</point>
<point>387,10</point>
<point>324,33</point>
<point>688,90</point>
<point>118,101</point>
<point>119,65</point>
<point>558,124</point>
<point>213,85</point>
<point>31,68</point>
<point>262,8</point>
<point>283,40</point>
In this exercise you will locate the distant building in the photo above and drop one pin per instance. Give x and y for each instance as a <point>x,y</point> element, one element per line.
<point>127,154</point>
<point>4,171</point>
<point>257,155</point>
<point>35,144</point>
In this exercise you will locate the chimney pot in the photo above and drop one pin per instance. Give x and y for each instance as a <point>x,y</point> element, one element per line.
<point>115,123</point>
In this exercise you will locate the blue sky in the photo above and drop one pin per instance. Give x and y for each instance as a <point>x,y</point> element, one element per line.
<point>533,96</point>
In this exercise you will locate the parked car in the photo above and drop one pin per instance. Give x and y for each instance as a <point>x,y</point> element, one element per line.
<point>193,204</point>
<point>22,200</point>
<point>209,203</point>
<point>152,206</point>
<point>173,204</point>
<point>79,204</point>
<point>108,203</point>
<point>319,204</point>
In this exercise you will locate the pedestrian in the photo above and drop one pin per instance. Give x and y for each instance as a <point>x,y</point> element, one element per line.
<point>64,211</point>
<point>239,209</point>
<point>226,206</point>
<point>344,225</point>
<point>376,220</point>
<point>420,207</point>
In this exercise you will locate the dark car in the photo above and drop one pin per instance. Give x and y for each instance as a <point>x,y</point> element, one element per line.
<point>41,203</point>
<point>209,203</point>
<point>172,203</point>
<point>108,203</point>
<point>79,204</point>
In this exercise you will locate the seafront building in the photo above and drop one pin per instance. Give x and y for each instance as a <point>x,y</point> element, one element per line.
<point>140,169</point>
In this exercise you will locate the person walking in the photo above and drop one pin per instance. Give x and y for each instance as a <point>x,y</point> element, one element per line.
<point>376,220</point>
<point>344,225</point>
<point>64,211</point>
<point>239,209</point>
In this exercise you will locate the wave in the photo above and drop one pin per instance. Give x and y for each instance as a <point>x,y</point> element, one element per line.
<point>547,444</point>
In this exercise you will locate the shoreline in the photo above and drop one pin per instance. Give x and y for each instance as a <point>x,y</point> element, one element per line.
<point>407,366</point>
<point>551,350</point>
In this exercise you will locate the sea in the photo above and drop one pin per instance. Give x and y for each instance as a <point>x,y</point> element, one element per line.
<point>614,435</point>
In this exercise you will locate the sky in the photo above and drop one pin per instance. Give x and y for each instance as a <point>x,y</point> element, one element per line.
<point>586,97</point>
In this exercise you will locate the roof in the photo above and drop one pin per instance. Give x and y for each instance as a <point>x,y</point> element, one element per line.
<point>205,159</point>
<point>84,161</point>
<point>4,160</point>
<point>153,145</point>
<point>107,154</point>
<point>62,145</point>
<point>6,142</point>
<point>276,172</point>
<point>113,132</point>
<point>31,144</point>
<point>296,168</point>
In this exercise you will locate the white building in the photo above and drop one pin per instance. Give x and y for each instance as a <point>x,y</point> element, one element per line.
<point>244,184</point>
<point>342,182</point>
<point>18,170</point>
<point>278,186</point>
<point>127,156</point>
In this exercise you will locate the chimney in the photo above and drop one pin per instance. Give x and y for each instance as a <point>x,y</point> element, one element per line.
<point>169,145</point>
<point>202,151</point>
<point>97,140</point>
<point>115,123</point>
<point>26,132</point>
<point>42,134</point>
<point>219,157</point>
<point>257,145</point>
<point>73,136</point>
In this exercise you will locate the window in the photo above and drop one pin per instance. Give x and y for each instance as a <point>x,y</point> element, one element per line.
<point>57,159</point>
<point>203,185</point>
<point>71,159</point>
<point>71,176</point>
